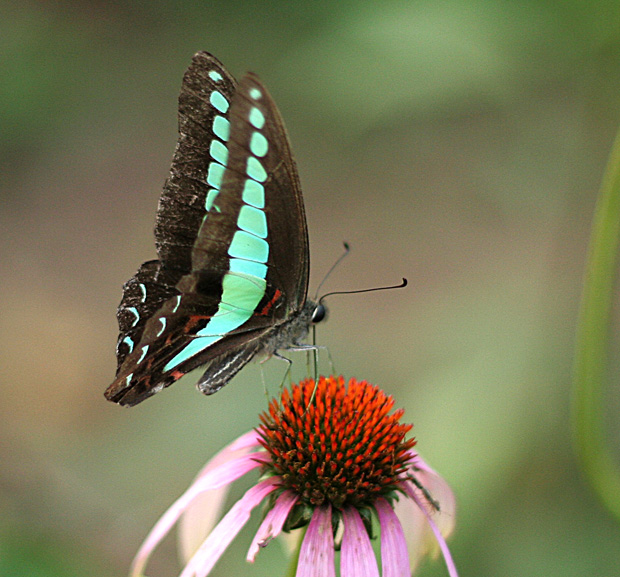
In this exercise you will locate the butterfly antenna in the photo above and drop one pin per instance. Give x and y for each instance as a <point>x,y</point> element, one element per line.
<point>403,284</point>
<point>347,248</point>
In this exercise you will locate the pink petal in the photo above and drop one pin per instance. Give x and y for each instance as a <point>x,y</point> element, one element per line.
<point>316,558</point>
<point>273,523</point>
<point>422,505</point>
<point>418,534</point>
<point>202,513</point>
<point>226,530</point>
<point>240,446</point>
<point>394,556</point>
<point>420,538</point>
<point>441,492</point>
<point>218,477</point>
<point>357,559</point>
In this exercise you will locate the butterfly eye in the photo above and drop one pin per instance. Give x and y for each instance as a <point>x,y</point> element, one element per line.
<point>320,312</point>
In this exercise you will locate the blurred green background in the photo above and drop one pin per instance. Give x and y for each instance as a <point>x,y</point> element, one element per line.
<point>458,143</point>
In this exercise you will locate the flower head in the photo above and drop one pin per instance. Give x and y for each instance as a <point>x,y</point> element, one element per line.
<point>334,459</point>
<point>341,447</point>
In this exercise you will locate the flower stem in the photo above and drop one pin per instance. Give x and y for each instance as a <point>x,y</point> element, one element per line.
<point>292,568</point>
<point>592,346</point>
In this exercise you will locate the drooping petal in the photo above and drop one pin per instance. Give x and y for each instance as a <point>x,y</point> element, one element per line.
<point>357,559</point>
<point>413,518</point>
<point>441,492</point>
<point>394,556</point>
<point>218,477</point>
<point>226,530</point>
<point>422,506</point>
<point>240,446</point>
<point>273,523</point>
<point>316,558</point>
<point>202,513</point>
<point>418,534</point>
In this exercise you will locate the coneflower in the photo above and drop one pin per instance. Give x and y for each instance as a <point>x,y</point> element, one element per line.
<point>334,460</point>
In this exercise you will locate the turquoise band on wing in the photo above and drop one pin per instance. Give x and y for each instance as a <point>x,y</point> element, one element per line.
<point>249,247</point>
<point>211,196</point>
<point>253,220</point>
<point>217,148</point>
<point>258,144</point>
<point>248,267</point>
<point>189,350</point>
<point>215,175</point>
<point>218,152</point>
<point>253,193</point>
<point>246,291</point>
<point>254,169</point>
<point>215,76</point>
<point>257,118</point>
<point>244,285</point>
<point>221,128</point>
<point>218,100</point>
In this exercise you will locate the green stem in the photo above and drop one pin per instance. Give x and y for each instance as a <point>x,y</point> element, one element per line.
<point>292,568</point>
<point>593,335</point>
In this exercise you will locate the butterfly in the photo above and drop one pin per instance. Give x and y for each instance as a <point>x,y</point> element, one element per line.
<point>231,278</point>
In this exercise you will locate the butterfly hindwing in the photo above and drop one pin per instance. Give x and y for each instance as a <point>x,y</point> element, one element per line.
<point>197,166</point>
<point>142,297</point>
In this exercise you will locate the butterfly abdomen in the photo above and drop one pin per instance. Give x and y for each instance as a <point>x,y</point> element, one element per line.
<point>286,335</point>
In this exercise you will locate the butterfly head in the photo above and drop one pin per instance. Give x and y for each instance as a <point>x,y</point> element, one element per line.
<point>319,313</point>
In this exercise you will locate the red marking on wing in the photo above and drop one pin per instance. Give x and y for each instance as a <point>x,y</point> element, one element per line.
<point>193,321</point>
<point>270,304</point>
<point>176,375</point>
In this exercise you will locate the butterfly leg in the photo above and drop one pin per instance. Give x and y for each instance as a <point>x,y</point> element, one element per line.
<point>289,369</point>
<point>300,347</point>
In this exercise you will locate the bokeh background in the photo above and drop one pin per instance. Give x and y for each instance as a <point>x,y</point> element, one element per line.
<point>457,143</point>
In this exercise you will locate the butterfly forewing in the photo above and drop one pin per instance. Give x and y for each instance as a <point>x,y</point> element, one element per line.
<point>259,214</point>
<point>269,244</point>
<point>288,259</point>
